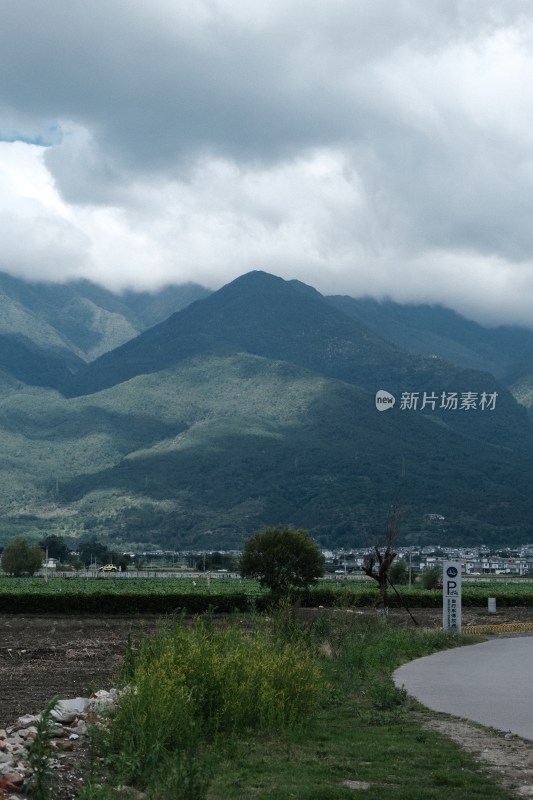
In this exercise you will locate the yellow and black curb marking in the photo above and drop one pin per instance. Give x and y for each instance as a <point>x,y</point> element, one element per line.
<point>508,627</point>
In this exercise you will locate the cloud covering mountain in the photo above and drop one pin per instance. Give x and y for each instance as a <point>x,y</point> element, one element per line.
<point>366,148</point>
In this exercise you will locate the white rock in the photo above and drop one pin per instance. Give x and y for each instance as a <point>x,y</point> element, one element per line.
<point>67,710</point>
<point>81,727</point>
<point>27,720</point>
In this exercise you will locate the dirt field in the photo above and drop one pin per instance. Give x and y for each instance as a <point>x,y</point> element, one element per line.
<point>42,656</point>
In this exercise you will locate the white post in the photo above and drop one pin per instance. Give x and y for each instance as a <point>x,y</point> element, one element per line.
<point>451,595</point>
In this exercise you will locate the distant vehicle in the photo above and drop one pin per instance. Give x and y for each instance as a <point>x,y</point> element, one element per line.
<point>108,568</point>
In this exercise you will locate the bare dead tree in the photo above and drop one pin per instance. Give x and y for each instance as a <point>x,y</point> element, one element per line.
<point>378,561</point>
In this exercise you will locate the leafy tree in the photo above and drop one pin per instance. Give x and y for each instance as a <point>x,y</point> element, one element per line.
<point>281,558</point>
<point>399,572</point>
<point>432,577</point>
<point>123,562</point>
<point>19,557</point>
<point>90,550</point>
<point>56,547</point>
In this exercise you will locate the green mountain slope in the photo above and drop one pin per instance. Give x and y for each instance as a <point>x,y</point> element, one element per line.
<point>286,320</point>
<point>206,452</point>
<point>252,406</point>
<point>505,351</point>
<point>257,313</point>
<point>82,318</point>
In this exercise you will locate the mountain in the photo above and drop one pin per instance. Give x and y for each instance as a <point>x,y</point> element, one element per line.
<point>80,319</point>
<point>256,313</point>
<point>504,351</point>
<point>204,453</point>
<point>255,405</point>
<point>266,316</point>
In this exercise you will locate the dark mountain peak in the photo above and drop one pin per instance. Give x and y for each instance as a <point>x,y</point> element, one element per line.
<point>256,277</point>
<point>252,286</point>
<point>259,282</point>
<point>257,313</point>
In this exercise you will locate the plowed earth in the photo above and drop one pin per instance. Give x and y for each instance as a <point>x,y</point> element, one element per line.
<point>70,656</point>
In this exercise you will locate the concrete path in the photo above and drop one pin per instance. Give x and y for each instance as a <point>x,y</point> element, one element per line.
<point>489,683</point>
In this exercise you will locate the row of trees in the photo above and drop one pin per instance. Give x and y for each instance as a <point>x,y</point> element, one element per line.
<point>280,558</point>
<point>19,557</point>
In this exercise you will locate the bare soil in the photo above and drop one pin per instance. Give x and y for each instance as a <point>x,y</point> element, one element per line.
<point>42,656</point>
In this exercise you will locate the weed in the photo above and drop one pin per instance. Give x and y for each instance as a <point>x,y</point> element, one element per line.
<point>193,683</point>
<point>217,712</point>
<point>40,753</point>
<point>384,695</point>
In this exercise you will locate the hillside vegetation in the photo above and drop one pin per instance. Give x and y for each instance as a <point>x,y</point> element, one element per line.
<point>251,407</point>
<point>208,452</point>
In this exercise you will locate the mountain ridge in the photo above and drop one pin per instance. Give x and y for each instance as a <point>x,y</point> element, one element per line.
<point>251,406</point>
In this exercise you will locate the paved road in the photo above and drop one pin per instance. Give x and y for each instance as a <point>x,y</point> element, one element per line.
<point>489,683</point>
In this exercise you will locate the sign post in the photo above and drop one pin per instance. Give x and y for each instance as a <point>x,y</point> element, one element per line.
<point>451,595</point>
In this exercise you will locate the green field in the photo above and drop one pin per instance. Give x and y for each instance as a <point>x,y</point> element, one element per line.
<point>134,585</point>
<point>163,594</point>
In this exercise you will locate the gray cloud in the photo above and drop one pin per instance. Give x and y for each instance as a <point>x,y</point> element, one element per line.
<point>368,147</point>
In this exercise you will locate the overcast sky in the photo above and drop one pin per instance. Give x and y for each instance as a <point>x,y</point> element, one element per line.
<point>363,146</point>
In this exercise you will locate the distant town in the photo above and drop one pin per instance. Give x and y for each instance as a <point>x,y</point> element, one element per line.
<point>482,560</point>
<point>474,560</point>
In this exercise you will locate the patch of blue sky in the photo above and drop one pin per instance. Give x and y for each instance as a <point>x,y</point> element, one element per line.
<point>46,137</point>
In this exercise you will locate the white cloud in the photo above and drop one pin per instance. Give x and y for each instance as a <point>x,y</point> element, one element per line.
<point>368,147</point>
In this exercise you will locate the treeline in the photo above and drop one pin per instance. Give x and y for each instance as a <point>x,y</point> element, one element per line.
<point>19,557</point>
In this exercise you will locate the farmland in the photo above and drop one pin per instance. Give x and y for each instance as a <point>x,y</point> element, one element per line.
<point>44,654</point>
<point>222,593</point>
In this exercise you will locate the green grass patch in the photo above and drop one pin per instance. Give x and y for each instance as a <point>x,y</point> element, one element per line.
<point>269,708</point>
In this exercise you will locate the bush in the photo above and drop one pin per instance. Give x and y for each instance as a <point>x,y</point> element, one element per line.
<point>432,577</point>
<point>399,572</point>
<point>189,684</point>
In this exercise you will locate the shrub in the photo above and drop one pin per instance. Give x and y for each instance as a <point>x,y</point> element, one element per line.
<point>399,572</point>
<point>191,683</point>
<point>431,577</point>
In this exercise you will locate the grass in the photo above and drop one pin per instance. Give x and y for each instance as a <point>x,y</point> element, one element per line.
<point>392,754</point>
<point>364,729</point>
